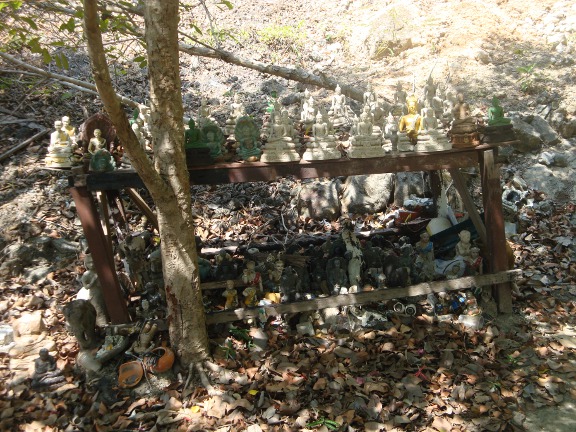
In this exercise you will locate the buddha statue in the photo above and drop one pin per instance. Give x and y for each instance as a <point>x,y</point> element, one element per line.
<point>101,160</point>
<point>247,135</point>
<point>237,110</point>
<point>366,141</point>
<point>400,96</point>
<point>69,129</point>
<point>463,129</point>
<point>431,138</point>
<point>60,150</point>
<point>193,136</point>
<point>323,145</point>
<point>308,113</point>
<point>410,125</point>
<point>499,128</point>
<point>280,146</point>
<point>338,110</point>
<point>496,114</point>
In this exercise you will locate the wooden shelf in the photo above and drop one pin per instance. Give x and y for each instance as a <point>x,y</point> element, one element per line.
<point>241,172</point>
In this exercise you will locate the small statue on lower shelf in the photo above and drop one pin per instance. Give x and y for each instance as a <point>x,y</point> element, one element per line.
<point>251,277</point>
<point>424,263</point>
<point>250,296</point>
<point>463,246</point>
<point>45,371</point>
<point>475,262</point>
<point>231,295</point>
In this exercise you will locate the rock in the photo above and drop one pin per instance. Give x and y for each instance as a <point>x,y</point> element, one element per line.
<point>410,183</point>
<point>319,199</point>
<point>482,56</point>
<point>29,324</point>
<point>529,139</point>
<point>367,193</point>
<point>547,134</point>
<point>34,274</point>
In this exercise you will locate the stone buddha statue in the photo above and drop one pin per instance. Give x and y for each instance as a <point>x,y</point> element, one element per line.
<point>237,110</point>
<point>280,146</point>
<point>247,135</point>
<point>366,141</point>
<point>323,145</point>
<point>463,122</point>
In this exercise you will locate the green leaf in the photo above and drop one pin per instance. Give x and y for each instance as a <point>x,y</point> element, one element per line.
<point>70,25</point>
<point>67,95</point>
<point>46,57</point>
<point>104,25</point>
<point>139,59</point>
<point>30,22</point>
<point>34,45</point>
<point>227,4</point>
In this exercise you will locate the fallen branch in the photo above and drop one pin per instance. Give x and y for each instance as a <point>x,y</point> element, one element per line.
<point>22,145</point>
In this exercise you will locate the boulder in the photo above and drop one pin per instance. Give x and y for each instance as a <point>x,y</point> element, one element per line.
<point>367,193</point>
<point>319,199</point>
<point>547,134</point>
<point>409,183</point>
<point>529,139</point>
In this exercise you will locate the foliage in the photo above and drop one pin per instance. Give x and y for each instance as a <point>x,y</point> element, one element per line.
<point>530,78</point>
<point>283,37</point>
<point>322,421</point>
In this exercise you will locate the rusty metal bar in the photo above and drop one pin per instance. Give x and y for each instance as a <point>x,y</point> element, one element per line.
<point>103,261</point>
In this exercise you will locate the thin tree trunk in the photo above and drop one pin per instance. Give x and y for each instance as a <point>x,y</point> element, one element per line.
<point>167,180</point>
<point>185,306</point>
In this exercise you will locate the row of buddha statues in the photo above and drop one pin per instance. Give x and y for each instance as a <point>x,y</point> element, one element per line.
<point>436,122</point>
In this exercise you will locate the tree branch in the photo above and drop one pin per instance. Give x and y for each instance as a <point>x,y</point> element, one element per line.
<point>293,74</point>
<point>70,82</point>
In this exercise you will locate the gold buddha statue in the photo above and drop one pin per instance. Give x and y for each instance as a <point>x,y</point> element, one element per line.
<point>411,123</point>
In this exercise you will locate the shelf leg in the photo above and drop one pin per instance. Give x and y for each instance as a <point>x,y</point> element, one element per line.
<point>494,220</point>
<point>103,259</point>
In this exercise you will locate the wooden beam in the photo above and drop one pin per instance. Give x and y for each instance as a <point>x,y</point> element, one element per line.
<point>494,219</point>
<point>364,297</point>
<point>460,185</point>
<point>141,204</point>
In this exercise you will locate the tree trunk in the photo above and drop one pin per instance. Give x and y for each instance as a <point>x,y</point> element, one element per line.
<point>183,294</point>
<point>167,181</point>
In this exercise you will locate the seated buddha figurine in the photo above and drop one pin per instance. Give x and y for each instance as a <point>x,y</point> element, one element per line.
<point>499,128</point>
<point>101,159</point>
<point>280,146</point>
<point>410,125</point>
<point>463,129</point>
<point>69,129</point>
<point>366,142</point>
<point>496,114</point>
<point>338,110</point>
<point>463,122</point>
<point>323,144</point>
<point>237,110</point>
<point>431,138</point>
<point>247,135</point>
<point>193,136</point>
<point>60,148</point>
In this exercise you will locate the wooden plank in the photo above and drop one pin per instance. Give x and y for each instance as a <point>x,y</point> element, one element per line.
<point>141,204</point>
<point>494,219</point>
<point>260,171</point>
<point>460,185</point>
<point>365,297</point>
<point>103,261</point>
